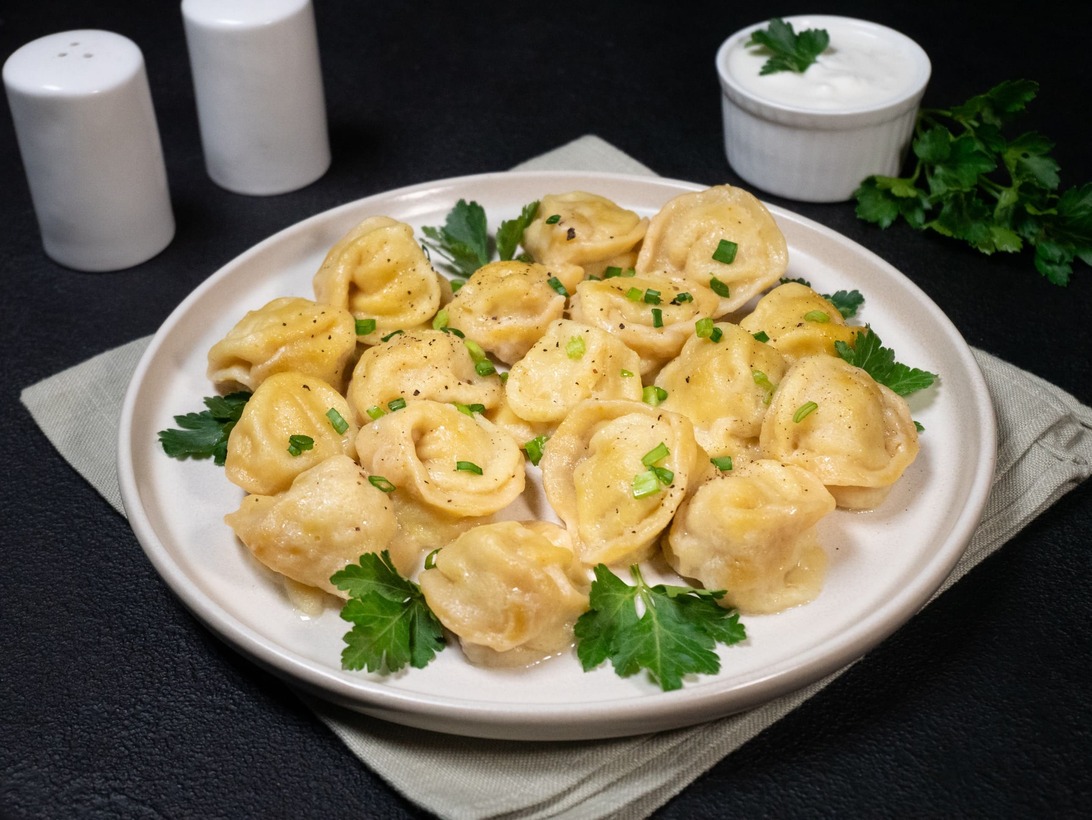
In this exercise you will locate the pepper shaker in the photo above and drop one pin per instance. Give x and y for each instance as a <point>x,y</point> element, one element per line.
<point>90,146</point>
<point>258,86</point>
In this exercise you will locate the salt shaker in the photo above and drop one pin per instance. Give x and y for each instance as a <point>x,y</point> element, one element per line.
<point>258,86</point>
<point>90,146</point>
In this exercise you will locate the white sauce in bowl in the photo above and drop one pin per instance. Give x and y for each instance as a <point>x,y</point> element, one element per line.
<point>865,66</point>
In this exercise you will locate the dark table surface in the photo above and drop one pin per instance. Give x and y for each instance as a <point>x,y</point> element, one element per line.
<point>114,701</point>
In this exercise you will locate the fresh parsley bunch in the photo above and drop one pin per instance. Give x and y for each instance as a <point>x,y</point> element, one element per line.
<point>973,182</point>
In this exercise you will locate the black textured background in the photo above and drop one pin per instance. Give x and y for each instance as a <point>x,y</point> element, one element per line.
<point>115,702</point>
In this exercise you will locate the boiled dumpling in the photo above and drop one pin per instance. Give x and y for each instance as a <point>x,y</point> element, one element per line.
<point>327,518</point>
<point>752,532</point>
<point>586,230</point>
<point>506,306</point>
<point>835,420</point>
<point>510,590</point>
<point>570,363</point>
<point>423,364</point>
<point>723,387</point>
<point>615,471</point>
<point>289,333</point>
<point>379,272</point>
<point>798,321</point>
<point>684,236</point>
<point>262,455</point>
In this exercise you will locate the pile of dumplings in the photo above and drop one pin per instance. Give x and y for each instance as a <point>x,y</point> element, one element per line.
<point>423,403</point>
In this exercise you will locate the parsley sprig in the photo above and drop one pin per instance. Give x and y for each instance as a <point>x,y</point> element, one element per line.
<point>205,434</point>
<point>868,353</point>
<point>392,624</point>
<point>974,182</point>
<point>789,51</point>
<point>464,240</point>
<point>675,633</point>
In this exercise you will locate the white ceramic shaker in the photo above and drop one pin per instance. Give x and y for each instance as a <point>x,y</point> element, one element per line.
<point>89,142</point>
<point>258,84</point>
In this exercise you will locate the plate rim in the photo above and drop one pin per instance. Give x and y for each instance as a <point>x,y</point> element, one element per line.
<point>549,721</point>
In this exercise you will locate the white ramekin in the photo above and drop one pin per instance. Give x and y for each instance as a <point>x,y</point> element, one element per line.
<point>813,153</point>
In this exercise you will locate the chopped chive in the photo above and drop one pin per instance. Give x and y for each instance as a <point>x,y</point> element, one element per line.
<point>484,368</point>
<point>655,454</point>
<point>553,219</point>
<point>635,294</point>
<point>365,326</point>
<point>381,484</point>
<point>575,347</point>
<point>762,336</point>
<point>535,447</point>
<point>645,484</point>
<point>657,317</point>
<point>804,410</point>
<point>663,475</point>
<point>337,421</point>
<point>556,284</point>
<point>818,316</point>
<point>763,381</point>
<point>475,350</point>
<point>612,271</point>
<point>396,404</point>
<point>468,467</point>
<point>726,251</point>
<point>391,335</point>
<point>653,395</point>
<point>719,288</point>
<point>297,444</point>
<point>682,297</point>
<point>470,409</point>
<point>627,374</point>
<point>703,328</point>
<point>722,463</point>
<point>652,297</point>
<point>375,411</point>
<point>629,272</point>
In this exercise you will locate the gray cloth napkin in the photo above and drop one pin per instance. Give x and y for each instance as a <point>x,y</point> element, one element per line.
<point>1045,449</point>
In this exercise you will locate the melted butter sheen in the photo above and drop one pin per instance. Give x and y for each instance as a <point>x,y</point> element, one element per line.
<point>859,69</point>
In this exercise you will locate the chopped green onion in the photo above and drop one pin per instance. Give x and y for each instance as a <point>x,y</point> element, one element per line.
<point>381,484</point>
<point>722,463</point>
<point>682,297</point>
<point>454,331</point>
<point>375,411</point>
<point>655,454</point>
<point>430,559</point>
<point>627,374</point>
<point>575,347</point>
<point>629,272</point>
<point>763,381</point>
<point>652,297</point>
<point>653,395</point>
<point>396,404</point>
<point>475,350</point>
<point>553,219</point>
<point>719,288</point>
<point>556,284</point>
<point>484,368</point>
<point>391,335</point>
<point>762,336</point>
<point>645,484</point>
<point>365,326</point>
<point>468,467</point>
<point>804,410</point>
<point>703,328</point>
<point>818,316</point>
<point>470,409</point>
<point>612,271</point>
<point>337,421</point>
<point>535,447</point>
<point>439,321</point>
<point>635,294</point>
<point>663,475</point>
<point>657,317</point>
<point>726,251</point>
<point>297,444</point>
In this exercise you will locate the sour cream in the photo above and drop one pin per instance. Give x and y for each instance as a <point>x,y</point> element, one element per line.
<point>866,65</point>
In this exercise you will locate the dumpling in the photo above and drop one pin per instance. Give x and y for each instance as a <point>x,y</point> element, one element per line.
<point>570,363</point>
<point>506,306</point>
<point>289,333</point>
<point>799,322</point>
<point>261,455</point>
<point>858,437</point>
<point>378,271</point>
<point>327,518</point>
<point>422,364</point>
<point>684,236</point>
<point>584,229</point>
<point>457,463</point>
<point>615,471</point>
<point>723,387</point>
<point>510,590</point>
<point>650,314</point>
<point>752,532</point>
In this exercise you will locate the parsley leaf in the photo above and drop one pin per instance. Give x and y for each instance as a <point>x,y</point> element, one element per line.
<point>790,51</point>
<point>392,623</point>
<point>205,434</point>
<point>674,635</point>
<point>972,182</point>
<point>510,233</point>
<point>464,238</point>
<point>868,353</point>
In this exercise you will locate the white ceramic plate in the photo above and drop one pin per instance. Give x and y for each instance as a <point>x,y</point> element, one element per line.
<point>884,564</point>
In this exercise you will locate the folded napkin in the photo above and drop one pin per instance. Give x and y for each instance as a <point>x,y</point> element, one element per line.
<point>1045,449</point>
